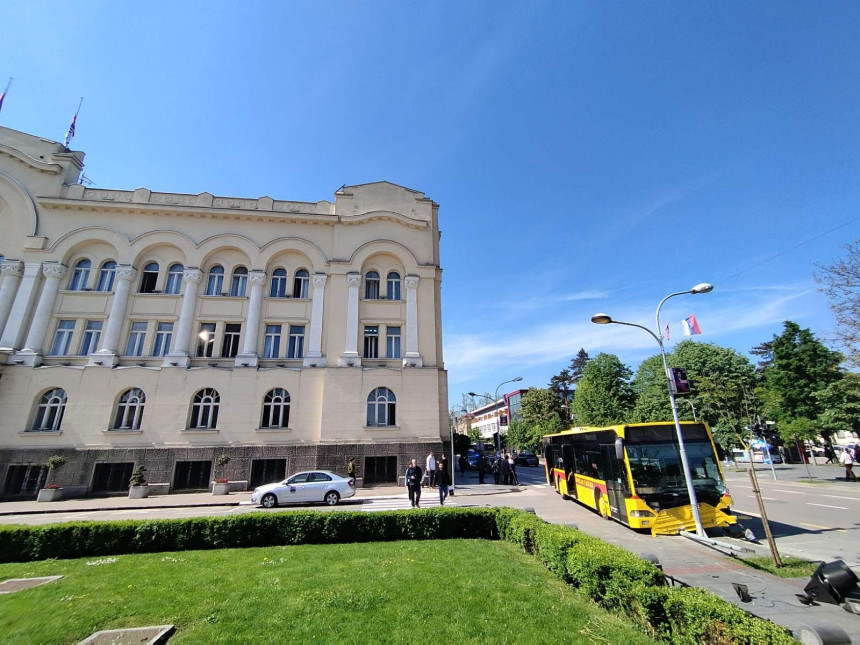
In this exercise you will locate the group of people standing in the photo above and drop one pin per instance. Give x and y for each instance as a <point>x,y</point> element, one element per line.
<point>435,473</point>
<point>503,467</point>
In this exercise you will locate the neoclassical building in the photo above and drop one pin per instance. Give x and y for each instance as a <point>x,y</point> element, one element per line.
<point>167,329</point>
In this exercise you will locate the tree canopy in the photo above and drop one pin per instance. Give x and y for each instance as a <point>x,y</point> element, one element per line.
<point>840,281</point>
<point>604,394</point>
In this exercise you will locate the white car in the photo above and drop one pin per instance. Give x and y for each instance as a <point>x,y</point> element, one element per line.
<point>305,488</point>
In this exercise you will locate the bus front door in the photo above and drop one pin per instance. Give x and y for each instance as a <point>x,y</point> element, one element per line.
<point>614,483</point>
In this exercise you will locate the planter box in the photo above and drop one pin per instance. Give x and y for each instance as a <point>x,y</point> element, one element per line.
<point>49,495</point>
<point>138,492</point>
<point>221,489</point>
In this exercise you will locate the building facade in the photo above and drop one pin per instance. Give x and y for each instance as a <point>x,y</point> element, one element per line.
<point>166,329</point>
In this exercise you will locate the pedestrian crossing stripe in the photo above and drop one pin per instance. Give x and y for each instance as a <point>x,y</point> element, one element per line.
<point>399,504</point>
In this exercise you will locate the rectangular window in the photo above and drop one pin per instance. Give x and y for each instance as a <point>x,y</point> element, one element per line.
<point>206,340</point>
<point>272,342</point>
<point>136,338</point>
<point>92,334</point>
<point>297,341</point>
<point>163,336</point>
<point>63,338</point>
<point>392,342</point>
<point>371,341</point>
<point>230,346</point>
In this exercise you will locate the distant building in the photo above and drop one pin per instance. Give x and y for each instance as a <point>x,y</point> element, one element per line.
<point>165,329</point>
<point>493,417</point>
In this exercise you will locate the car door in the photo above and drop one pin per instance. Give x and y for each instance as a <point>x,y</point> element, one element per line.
<point>294,489</point>
<point>318,484</point>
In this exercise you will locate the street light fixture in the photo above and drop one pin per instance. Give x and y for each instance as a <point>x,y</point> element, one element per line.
<point>606,319</point>
<point>496,398</point>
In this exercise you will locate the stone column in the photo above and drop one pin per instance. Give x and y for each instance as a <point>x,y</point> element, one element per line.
<point>249,357</point>
<point>412,358</point>
<point>19,315</point>
<point>350,356</point>
<point>11,270</point>
<point>32,350</point>
<point>109,347</point>
<point>182,334</point>
<point>314,357</point>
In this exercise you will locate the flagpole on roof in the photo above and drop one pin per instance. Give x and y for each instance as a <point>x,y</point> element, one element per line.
<point>71,133</point>
<point>6,91</point>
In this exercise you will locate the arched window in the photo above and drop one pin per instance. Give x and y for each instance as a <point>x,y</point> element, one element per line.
<point>150,278</point>
<point>129,411</point>
<point>239,282</point>
<point>393,286</point>
<point>371,285</point>
<point>49,411</point>
<point>174,279</point>
<point>300,284</point>
<point>216,281</point>
<point>106,276</point>
<point>276,409</point>
<point>381,408</point>
<point>204,409</point>
<point>278,288</point>
<point>80,276</point>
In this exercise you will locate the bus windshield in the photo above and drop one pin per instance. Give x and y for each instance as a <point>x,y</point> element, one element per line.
<point>655,465</point>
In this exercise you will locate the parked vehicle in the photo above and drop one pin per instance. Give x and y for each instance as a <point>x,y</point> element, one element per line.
<point>318,486</point>
<point>526,459</point>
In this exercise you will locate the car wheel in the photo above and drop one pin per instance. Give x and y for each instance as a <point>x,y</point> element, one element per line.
<point>269,501</point>
<point>331,498</point>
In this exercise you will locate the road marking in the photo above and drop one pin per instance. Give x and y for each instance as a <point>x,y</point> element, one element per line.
<point>750,513</point>
<point>770,499</point>
<point>815,526</point>
<point>841,508</point>
<point>793,492</point>
<point>853,499</point>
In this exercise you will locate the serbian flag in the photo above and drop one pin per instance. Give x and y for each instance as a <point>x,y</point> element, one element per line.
<point>71,133</point>
<point>667,333</point>
<point>3,95</point>
<point>691,326</point>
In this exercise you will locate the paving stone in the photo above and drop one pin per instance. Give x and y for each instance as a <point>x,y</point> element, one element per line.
<point>19,584</point>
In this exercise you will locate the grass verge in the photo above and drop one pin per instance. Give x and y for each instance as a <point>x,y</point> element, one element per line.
<point>463,591</point>
<point>791,567</point>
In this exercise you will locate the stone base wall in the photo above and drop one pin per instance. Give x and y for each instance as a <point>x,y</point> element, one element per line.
<point>77,475</point>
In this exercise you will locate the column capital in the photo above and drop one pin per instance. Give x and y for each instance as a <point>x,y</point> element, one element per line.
<point>320,279</point>
<point>54,270</point>
<point>126,273</point>
<point>411,281</point>
<point>257,278</point>
<point>12,267</point>
<point>353,279</point>
<point>192,275</point>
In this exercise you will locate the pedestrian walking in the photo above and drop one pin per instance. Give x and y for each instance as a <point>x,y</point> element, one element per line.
<point>481,464</point>
<point>513,466</point>
<point>413,483</point>
<point>442,481</point>
<point>495,469</point>
<point>847,460</point>
<point>430,469</point>
<point>462,462</point>
<point>442,464</point>
<point>829,455</point>
<point>505,469</point>
<point>350,469</point>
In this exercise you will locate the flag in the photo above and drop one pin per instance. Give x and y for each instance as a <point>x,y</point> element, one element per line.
<point>691,326</point>
<point>3,95</point>
<point>667,332</point>
<point>71,133</point>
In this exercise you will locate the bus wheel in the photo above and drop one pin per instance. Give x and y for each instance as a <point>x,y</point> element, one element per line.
<point>602,505</point>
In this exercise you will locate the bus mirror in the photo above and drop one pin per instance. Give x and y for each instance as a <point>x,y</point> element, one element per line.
<point>619,448</point>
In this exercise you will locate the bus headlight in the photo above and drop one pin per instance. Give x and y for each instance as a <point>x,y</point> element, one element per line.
<point>641,514</point>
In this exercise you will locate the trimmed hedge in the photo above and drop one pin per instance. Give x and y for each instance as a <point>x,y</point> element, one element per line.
<point>611,576</point>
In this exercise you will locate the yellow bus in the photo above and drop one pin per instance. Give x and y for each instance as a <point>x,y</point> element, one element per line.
<point>632,473</point>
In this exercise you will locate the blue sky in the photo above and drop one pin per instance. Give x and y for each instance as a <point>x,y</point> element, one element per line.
<point>586,156</point>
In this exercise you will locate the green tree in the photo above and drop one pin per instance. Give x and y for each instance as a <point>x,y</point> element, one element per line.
<point>577,365</point>
<point>801,367</point>
<point>652,394</point>
<point>797,429</point>
<point>840,281</point>
<point>840,405</point>
<point>474,434</point>
<point>538,406</point>
<point>604,395</point>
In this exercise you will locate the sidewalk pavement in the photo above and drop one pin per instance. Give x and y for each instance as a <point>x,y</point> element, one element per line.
<point>204,499</point>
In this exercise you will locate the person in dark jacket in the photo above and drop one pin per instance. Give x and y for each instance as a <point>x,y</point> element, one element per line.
<point>463,463</point>
<point>442,481</point>
<point>413,483</point>
<point>481,464</point>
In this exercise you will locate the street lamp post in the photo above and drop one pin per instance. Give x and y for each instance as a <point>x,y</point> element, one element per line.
<point>496,398</point>
<point>605,319</point>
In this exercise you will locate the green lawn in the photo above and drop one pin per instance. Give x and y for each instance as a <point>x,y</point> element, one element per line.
<point>791,567</point>
<point>452,591</point>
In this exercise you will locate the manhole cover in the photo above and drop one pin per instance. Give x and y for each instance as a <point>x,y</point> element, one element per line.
<point>152,635</point>
<point>19,584</point>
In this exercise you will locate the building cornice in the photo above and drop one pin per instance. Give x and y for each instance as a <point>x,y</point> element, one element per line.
<point>42,166</point>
